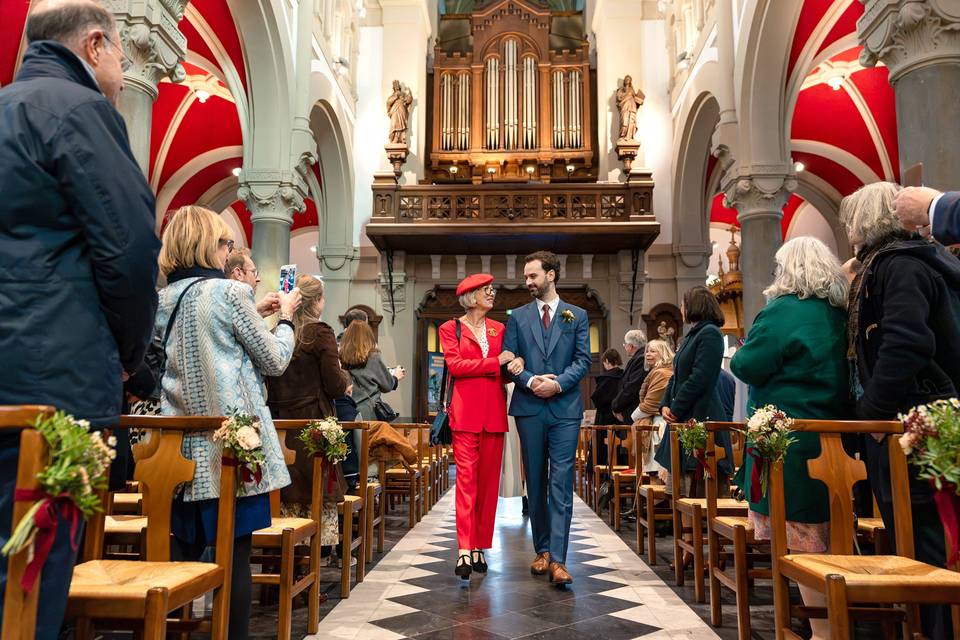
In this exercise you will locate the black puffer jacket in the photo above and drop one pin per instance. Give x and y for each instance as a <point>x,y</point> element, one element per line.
<point>78,251</point>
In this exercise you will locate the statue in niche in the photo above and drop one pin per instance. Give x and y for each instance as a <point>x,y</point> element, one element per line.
<point>398,108</point>
<point>629,100</point>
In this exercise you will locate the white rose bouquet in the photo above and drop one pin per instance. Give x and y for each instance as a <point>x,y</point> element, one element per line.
<point>240,434</point>
<point>768,438</point>
<point>931,440</point>
<point>78,462</point>
<point>325,438</point>
<point>693,438</point>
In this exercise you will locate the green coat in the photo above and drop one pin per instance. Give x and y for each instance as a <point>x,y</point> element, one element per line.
<point>795,357</point>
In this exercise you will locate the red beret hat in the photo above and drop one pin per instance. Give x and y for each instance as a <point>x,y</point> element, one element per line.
<point>475,281</point>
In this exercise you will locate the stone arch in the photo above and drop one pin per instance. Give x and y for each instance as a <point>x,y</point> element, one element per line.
<point>826,200</point>
<point>691,202</point>
<point>760,81</point>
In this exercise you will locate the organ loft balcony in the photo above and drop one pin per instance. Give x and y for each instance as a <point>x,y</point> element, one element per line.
<point>511,114</point>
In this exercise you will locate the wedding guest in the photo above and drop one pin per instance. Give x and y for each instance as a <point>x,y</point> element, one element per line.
<point>904,350</point>
<point>478,417</point>
<point>795,358</point>
<point>78,251</point>
<point>306,390</point>
<point>218,351</point>
<point>369,376</point>
<point>692,392</point>
<point>609,382</point>
<point>930,212</point>
<point>658,361</point>
<point>623,404</point>
<point>241,267</point>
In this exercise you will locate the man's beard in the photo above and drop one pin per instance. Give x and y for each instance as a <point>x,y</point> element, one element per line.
<point>536,291</point>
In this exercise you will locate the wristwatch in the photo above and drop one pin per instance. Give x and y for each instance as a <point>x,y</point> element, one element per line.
<point>286,316</point>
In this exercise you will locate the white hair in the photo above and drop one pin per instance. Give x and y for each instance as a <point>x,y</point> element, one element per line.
<point>808,269</point>
<point>635,337</point>
<point>468,300</point>
<point>868,214</point>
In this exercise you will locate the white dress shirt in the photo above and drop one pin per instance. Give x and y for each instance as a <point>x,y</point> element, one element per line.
<point>932,210</point>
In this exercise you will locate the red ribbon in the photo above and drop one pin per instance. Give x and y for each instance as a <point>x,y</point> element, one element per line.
<point>702,469</point>
<point>46,520</point>
<point>948,506</point>
<point>245,473</point>
<point>328,471</point>
<point>756,479</point>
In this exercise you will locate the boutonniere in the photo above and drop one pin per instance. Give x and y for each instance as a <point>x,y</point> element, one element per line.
<point>566,315</point>
<point>492,332</point>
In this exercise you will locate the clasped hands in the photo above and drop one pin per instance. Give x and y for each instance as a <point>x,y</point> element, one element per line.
<point>543,386</point>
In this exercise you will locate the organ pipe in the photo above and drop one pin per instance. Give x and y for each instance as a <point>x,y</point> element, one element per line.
<point>463,123</point>
<point>510,94</point>
<point>493,103</point>
<point>576,109</point>
<point>530,103</point>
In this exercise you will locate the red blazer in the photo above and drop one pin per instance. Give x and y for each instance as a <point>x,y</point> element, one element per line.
<point>479,401</point>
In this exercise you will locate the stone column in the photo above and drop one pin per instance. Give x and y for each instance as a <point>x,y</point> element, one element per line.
<point>759,200</point>
<point>273,197</point>
<point>152,41</point>
<point>919,42</point>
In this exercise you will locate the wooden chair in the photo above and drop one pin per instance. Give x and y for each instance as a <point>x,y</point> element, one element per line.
<point>886,588</point>
<point>580,464</point>
<point>601,471</point>
<point>694,509</point>
<point>624,482</point>
<point>652,504</point>
<point>408,481</point>
<point>142,594</point>
<point>730,531</point>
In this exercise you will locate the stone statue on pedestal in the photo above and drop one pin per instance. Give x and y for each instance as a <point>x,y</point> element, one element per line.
<point>398,108</point>
<point>629,100</point>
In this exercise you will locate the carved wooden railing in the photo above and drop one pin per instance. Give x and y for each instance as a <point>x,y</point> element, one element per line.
<point>518,204</point>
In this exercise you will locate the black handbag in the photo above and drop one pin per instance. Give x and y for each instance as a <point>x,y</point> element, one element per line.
<point>383,412</point>
<point>440,433</point>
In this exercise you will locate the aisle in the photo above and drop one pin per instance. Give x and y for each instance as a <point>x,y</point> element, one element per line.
<point>413,593</point>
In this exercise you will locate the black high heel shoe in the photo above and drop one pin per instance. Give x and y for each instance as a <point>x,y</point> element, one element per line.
<point>479,562</point>
<point>463,567</point>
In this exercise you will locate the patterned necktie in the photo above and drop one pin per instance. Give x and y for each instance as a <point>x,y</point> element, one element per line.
<point>546,317</point>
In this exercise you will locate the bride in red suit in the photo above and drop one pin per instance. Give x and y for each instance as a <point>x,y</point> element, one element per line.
<point>478,416</point>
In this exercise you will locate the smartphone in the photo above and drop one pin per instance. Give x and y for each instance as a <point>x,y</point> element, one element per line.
<point>288,277</point>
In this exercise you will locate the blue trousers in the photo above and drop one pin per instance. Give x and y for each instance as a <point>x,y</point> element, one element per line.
<point>549,447</point>
<point>55,578</point>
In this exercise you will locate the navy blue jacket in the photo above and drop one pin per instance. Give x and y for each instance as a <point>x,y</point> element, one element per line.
<point>78,250</point>
<point>946,218</point>
<point>565,352</point>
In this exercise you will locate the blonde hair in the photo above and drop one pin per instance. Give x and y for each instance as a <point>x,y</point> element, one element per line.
<point>808,269</point>
<point>311,292</point>
<point>664,353</point>
<point>468,300</point>
<point>191,239</point>
<point>357,344</point>
<point>868,213</point>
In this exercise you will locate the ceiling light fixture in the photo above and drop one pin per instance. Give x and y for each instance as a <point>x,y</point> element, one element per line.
<point>236,171</point>
<point>202,95</point>
<point>491,170</point>
<point>570,168</point>
<point>799,167</point>
<point>836,81</point>
<point>530,169</point>
<point>453,170</point>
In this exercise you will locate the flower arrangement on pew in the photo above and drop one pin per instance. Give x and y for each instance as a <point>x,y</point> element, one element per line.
<point>931,440</point>
<point>77,468</point>
<point>325,438</point>
<point>693,438</point>
<point>240,434</point>
<point>768,438</point>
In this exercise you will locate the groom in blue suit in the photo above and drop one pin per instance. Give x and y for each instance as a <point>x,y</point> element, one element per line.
<point>552,338</point>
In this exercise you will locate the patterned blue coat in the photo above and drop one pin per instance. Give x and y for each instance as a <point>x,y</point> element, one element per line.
<point>218,352</point>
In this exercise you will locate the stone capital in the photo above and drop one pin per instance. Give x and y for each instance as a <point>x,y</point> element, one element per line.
<point>151,40</point>
<point>758,194</point>
<point>909,34</point>
<point>272,196</point>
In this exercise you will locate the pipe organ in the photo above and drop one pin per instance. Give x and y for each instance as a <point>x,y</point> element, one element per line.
<point>509,103</point>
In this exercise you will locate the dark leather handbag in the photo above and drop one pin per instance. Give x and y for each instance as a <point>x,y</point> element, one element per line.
<point>440,433</point>
<point>383,412</point>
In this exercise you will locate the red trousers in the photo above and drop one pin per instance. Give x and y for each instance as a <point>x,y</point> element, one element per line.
<point>479,457</point>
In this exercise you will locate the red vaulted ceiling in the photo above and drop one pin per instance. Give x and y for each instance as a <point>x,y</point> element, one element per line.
<point>197,143</point>
<point>827,124</point>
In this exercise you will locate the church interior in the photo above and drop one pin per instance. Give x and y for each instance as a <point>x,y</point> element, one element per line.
<point>392,148</point>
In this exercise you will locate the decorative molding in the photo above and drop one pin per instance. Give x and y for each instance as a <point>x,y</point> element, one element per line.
<point>759,193</point>
<point>563,265</point>
<point>485,264</point>
<point>399,292</point>
<point>907,35</point>
<point>587,266</point>
<point>461,267</point>
<point>269,196</point>
<point>435,260</point>
<point>624,288</point>
<point>511,267</point>
<point>152,41</point>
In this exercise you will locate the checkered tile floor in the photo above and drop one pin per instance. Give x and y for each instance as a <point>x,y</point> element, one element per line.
<point>413,592</point>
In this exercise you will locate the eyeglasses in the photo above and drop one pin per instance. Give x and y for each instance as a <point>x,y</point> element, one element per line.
<point>256,272</point>
<point>489,290</point>
<point>125,63</point>
<point>229,245</point>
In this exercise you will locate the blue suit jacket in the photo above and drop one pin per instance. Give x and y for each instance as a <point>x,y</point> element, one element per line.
<point>946,219</point>
<point>564,351</point>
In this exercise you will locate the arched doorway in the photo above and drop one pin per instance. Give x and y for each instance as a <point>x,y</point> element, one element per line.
<point>440,304</point>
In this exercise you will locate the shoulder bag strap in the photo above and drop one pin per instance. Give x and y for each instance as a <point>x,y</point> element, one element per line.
<point>166,334</point>
<point>443,382</point>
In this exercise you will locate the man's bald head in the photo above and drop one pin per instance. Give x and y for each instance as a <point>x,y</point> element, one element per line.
<point>68,21</point>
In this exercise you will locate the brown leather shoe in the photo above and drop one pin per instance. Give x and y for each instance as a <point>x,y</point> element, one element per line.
<point>541,564</point>
<point>559,574</point>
